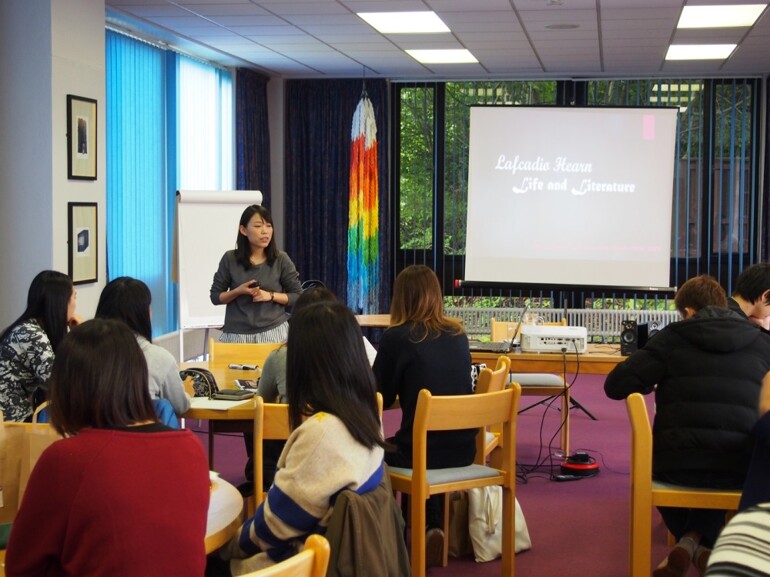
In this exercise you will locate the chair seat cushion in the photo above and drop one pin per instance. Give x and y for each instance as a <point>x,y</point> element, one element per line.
<point>451,474</point>
<point>537,379</point>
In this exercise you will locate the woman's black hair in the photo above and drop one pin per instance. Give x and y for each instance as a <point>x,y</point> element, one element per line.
<point>327,371</point>
<point>99,379</point>
<point>242,246</point>
<point>127,299</point>
<point>312,296</point>
<point>47,301</point>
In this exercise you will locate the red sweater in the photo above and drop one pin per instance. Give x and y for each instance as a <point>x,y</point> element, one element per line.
<point>114,503</point>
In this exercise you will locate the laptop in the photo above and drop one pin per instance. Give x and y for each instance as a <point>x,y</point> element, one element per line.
<point>500,346</point>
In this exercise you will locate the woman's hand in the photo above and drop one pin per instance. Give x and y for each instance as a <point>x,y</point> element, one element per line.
<point>249,288</point>
<point>262,296</point>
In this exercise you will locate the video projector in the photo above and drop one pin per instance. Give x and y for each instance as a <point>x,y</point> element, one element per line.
<point>553,339</point>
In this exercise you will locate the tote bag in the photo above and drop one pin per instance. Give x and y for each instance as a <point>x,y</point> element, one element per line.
<point>485,523</point>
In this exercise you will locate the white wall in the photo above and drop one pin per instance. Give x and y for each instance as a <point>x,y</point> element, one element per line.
<point>50,48</point>
<point>26,211</point>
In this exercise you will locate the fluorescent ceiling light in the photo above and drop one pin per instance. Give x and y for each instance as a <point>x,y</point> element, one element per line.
<point>699,51</point>
<point>735,16</point>
<point>405,22</point>
<point>460,56</point>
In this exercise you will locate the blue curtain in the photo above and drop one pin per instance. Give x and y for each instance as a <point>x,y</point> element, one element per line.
<point>138,207</point>
<point>252,137</point>
<point>319,117</point>
<point>169,126</point>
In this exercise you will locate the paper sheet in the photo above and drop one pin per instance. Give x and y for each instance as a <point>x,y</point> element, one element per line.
<point>216,404</point>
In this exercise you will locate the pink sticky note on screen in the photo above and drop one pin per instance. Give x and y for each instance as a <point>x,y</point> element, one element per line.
<point>648,127</point>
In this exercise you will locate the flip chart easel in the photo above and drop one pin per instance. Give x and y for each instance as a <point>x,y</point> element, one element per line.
<point>206,227</point>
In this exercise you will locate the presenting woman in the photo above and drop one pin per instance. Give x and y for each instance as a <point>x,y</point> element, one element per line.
<point>28,345</point>
<point>257,282</point>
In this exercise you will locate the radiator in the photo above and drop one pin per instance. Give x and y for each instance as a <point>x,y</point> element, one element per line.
<point>602,325</point>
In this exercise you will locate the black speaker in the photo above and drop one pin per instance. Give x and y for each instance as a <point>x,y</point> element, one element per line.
<point>633,336</point>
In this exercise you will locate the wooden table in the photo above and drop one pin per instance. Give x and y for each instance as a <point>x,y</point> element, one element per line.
<point>225,378</point>
<point>225,511</point>
<point>382,321</point>
<point>238,419</point>
<point>599,360</point>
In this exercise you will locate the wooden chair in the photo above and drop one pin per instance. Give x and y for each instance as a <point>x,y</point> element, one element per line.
<point>490,381</point>
<point>41,413</point>
<point>646,493</point>
<point>539,384</point>
<point>443,413</point>
<point>222,354</point>
<point>312,561</point>
<point>271,423</point>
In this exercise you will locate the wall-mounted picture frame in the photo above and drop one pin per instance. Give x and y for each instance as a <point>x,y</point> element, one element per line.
<point>81,138</point>
<point>82,231</point>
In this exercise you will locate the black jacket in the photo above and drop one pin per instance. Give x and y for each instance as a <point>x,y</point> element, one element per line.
<point>708,371</point>
<point>441,364</point>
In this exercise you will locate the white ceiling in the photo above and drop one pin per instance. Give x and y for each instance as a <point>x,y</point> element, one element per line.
<point>510,38</point>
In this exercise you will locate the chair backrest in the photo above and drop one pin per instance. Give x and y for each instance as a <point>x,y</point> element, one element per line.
<point>312,561</point>
<point>490,381</point>
<point>499,329</point>
<point>447,413</point>
<point>222,354</point>
<point>41,413</point>
<point>641,444</point>
<point>271,422</point>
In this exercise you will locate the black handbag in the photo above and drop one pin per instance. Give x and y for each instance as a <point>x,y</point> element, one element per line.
<point>203,382</point>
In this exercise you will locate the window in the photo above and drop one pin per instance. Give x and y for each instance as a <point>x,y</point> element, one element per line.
<point>170,126</point>
<point>715,213</point>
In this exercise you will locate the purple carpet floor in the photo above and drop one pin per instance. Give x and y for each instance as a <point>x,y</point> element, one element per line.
<point>578,528</point>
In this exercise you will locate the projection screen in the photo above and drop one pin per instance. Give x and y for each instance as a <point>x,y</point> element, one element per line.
<point>570,196</point>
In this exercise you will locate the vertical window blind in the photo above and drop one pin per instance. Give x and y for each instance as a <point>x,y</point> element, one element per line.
<point>169,126</point>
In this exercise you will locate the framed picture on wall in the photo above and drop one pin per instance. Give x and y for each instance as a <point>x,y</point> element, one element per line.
<point>83,242</point>
<point>81,138</point>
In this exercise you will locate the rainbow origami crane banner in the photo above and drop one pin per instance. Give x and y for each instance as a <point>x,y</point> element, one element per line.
<point>363,211</point>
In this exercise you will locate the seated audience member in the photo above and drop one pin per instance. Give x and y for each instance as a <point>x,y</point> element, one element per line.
<point>128,299</point>
<point>121,494</point>
<point>272,387</point>
<point>756,489</point>
<point>751,298</point>
<point>743,546</point>
<point>706,371</point>
<point>272,381</point>
<point>336,441</point>
<point>28,345</point>
<point>423,349</point>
